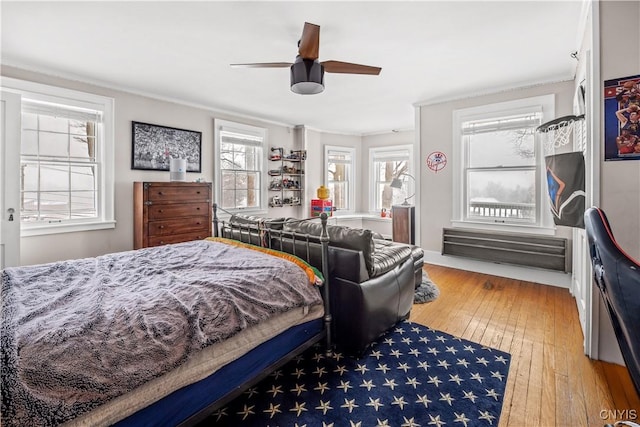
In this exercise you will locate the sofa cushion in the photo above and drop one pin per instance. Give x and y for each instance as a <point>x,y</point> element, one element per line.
<point>357,239</point>
<point>388,255</point>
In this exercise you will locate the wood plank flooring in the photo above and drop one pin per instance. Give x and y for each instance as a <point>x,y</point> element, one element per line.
<point>551,382</point>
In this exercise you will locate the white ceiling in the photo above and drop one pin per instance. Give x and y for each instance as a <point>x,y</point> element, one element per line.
<point>428,51</point>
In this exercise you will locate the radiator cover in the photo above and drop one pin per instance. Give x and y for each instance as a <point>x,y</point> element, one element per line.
<point>507,248</point>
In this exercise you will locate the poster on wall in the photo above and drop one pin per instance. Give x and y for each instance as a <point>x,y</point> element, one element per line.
<point>622,118</point>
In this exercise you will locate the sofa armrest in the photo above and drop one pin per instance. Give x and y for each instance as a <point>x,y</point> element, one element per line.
<point>387,255</point>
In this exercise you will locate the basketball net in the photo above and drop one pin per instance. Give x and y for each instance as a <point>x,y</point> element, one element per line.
<point>560,132</point>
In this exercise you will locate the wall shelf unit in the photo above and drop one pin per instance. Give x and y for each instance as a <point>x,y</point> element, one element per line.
<point>286,174</point>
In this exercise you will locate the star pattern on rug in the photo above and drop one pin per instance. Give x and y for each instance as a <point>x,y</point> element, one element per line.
<point>412,376</point>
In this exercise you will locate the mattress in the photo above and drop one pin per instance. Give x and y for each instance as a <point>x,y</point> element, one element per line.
<point>207,362</point>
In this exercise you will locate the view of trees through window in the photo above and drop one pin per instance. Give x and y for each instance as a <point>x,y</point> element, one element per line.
<point>388,165</point>
<point>339,170</point>
<point>240,164</point>
<point>58,167</point>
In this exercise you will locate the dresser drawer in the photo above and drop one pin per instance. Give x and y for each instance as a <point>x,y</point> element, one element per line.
<point>176,238</point>
<point>162,211</point>
<point>190,224</point>
<point>178,193</point>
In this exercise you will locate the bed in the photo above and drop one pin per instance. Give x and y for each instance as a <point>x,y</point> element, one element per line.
<point>157,336</point>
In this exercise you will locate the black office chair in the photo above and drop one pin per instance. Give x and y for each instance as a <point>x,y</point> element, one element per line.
<point>618,278</point>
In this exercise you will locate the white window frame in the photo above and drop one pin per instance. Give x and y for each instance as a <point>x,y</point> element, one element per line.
<point>546,105</point>
<point>105,154</point>
<point>396,152</point>
<point>250,130</point>
<point>351,208</point>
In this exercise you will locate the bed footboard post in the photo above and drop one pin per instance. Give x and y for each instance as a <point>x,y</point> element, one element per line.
<point>215,220</point>
<point>324,241</point>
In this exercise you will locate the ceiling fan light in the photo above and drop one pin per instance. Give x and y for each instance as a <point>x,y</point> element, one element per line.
<point>307,77</point>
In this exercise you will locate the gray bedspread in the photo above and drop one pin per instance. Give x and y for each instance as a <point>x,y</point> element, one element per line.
<point>76,334</point>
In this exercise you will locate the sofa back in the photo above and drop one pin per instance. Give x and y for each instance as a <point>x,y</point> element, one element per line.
<point>355,239</point>
<point>350,250</point>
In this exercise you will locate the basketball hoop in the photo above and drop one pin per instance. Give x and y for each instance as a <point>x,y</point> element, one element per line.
<point>559,132</point>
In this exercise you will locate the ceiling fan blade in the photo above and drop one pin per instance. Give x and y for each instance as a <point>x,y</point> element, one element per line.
<point>309,44</point>
<point>263,65</point>
<point>349,68</point>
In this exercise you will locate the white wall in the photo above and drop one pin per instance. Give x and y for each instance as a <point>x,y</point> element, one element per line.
<point>620,180</point>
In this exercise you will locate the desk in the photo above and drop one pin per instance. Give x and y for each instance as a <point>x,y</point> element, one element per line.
<point>403,224</point>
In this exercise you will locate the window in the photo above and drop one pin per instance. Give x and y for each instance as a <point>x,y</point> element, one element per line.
<point>241,153</point>
<point>66,160</point>
<point>386,165</point>
<point>500,179</point>
<point>340,176</point>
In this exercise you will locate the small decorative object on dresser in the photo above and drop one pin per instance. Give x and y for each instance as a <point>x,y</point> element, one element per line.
<point>170,212</point>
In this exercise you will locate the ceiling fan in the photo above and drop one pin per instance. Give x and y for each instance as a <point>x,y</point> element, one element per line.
<point>307,73</point>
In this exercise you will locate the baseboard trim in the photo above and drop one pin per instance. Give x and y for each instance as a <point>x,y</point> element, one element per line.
<point>545,277</point>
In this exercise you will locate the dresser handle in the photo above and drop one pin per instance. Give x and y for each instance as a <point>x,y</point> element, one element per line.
<point>159,193</point>
<point>198,223</point>
<point>162,242</point>
<point>159,210</point>
<point>161,227</point>
<point>197,192</point>
<point>198,208</point>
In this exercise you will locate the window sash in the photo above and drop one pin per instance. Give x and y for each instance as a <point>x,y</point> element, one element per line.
<point>55,163</point>
<point>241,152</point>
<point>382,196</point>
<point>342,162</point>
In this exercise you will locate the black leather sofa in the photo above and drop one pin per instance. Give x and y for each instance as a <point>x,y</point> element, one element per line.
<point>372,280</point>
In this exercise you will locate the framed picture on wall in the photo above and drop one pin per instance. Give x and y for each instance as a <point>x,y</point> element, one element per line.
<point>153,146</point>
<point>622,118</point>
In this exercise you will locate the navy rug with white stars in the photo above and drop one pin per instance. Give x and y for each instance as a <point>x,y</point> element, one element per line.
<point>412,376</point>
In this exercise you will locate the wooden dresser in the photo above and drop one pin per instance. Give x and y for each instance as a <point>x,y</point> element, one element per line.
<point>170,212</point>
<point>403,220</point>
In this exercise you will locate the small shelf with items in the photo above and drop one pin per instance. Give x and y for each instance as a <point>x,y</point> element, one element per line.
<point>287,177</point>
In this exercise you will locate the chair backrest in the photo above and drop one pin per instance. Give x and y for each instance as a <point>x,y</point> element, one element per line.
<point>617,275</point>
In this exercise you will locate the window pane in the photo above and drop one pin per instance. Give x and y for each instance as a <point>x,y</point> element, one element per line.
<point>339,194</point>
<point>228,199</point>
<point>241,180</point>
<point>83,204</point>
<point>241,198</point>
<point>53,124</point>
<point>253,198</point>
<point>54,178</point>
<point>30,177</point>
<point>253,180</point>
<point>54,144</point>
<point>501,194</point>
<point>501,148</point>
<point>29,209</point>
<point>29,143</point>
<point>82,178</point>
<point>82,148</point>
<point>54,205</point>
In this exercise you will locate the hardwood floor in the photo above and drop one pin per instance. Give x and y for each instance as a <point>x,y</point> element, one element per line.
<point>551,382</point>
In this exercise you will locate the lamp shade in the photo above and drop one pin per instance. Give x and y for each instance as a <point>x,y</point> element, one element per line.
<point>397,184</point>
<point>307,76</point>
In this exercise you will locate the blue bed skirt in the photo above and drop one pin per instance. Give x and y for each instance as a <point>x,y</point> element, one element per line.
<point>187,401</point>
